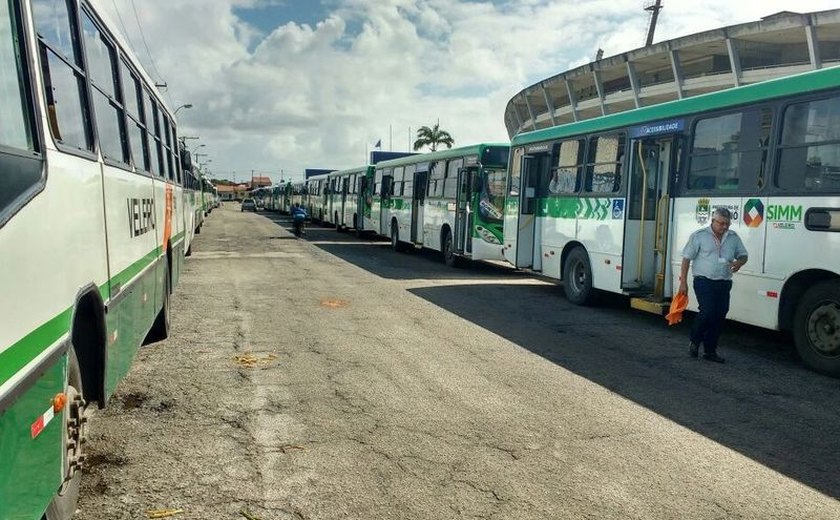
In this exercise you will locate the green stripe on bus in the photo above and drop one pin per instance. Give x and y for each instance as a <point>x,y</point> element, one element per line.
<point>137,267</point>
<point>20,354</point>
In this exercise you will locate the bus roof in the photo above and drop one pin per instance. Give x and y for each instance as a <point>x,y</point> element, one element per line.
<point>440,154</point>
<point>350,171</point>
<point>812,81</point>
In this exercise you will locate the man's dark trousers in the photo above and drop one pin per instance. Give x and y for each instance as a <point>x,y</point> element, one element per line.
<point>713,300</point>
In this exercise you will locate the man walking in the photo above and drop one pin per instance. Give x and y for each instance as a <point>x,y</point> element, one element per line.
<point>714,253</point>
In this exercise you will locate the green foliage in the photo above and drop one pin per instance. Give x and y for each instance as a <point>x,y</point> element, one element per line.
<point>432,137</point>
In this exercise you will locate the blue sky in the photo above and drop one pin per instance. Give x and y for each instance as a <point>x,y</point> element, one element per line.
<point>267,16</point>
<point>282,85</point>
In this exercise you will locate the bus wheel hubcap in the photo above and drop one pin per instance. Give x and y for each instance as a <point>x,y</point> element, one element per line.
<point>824,329</point>
<point>578,277</point>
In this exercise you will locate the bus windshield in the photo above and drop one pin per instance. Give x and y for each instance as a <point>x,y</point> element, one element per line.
<point>493,194</point>
<point>495,156</point>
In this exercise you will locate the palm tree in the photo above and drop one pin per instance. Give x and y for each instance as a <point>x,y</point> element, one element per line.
<point>432,137</point>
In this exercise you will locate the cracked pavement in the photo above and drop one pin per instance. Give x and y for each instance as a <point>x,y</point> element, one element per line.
<point>387,386</point>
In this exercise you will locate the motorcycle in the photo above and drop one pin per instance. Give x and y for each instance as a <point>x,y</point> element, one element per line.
<point>297,225</point>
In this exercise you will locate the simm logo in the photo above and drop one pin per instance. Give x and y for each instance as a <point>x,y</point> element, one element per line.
<point>784,213</point>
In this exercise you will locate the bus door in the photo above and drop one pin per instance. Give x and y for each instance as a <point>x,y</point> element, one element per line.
<point>648,216</point>
<point>463,211</point>
<point>527,221</point>
<point>385,204</point>
<point>345,187</point>
<point>365,201</point>
<point>418,201</point>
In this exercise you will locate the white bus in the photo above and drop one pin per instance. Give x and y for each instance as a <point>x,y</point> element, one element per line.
<point>92,238</point>
<point>607,204</point>
<point>450,201</point>
<point>344,198</point>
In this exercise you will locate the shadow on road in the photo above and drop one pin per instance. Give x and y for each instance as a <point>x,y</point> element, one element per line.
<point>762,403</point>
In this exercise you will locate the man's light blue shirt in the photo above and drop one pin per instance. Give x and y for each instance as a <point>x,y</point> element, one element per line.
<point>710,259</point>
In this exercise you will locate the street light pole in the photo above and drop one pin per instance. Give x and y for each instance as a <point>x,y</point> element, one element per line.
<point>185,105</point>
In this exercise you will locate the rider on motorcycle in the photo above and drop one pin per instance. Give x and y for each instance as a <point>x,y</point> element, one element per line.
<point>298,217</point>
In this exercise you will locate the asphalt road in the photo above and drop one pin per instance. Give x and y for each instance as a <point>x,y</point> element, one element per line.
<point>332,378</point>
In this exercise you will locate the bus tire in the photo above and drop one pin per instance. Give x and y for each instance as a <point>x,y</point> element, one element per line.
<point>577,278</point>
<point>356,230</point>
<point>396,245</point>
<point>160,329</point>
<point>816,327</point>
<point>448,250</point>
<point>63,504</point>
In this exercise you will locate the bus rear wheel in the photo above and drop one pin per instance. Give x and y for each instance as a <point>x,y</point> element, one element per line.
<point>448,250</point>
<point>577,278</point>
<point>396,245</point>
<point>816,327</point>
<point>63,504</point>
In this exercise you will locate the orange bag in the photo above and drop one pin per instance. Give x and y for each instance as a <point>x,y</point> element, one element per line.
<point>678,305</point>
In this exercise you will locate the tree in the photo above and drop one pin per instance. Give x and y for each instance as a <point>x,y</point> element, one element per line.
<point>432,137</point>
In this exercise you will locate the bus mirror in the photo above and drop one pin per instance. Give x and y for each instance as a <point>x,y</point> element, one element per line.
<point>186,160</point>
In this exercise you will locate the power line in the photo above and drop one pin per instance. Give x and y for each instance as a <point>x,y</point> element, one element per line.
<point>145,44</point>
<point>122,24</point>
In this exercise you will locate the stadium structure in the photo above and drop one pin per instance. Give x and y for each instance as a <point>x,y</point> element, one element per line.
<point>778,45</point>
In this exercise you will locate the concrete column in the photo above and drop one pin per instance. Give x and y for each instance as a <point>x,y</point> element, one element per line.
<point>734,62</point>
<point>596,75</point>
<point>677,69</point>
<point>634,83</point>
<point>813,46</point>
<point>518,119</point>
<point>572,99</point>
<point>548,104</point>
<point>530,112</point>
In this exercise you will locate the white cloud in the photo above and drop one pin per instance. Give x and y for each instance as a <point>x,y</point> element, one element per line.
<point>320,95</point>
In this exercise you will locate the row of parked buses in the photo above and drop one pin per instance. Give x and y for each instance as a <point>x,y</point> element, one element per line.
<point>451,201</point>
<point>98,208</point>
<point>606,204</point>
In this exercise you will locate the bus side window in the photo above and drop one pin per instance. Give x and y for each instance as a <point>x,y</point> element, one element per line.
<point>729,151</point>
<point>17,123</point>
<point>809,152</point>
<point>603,171</point>
<point>515,171</point>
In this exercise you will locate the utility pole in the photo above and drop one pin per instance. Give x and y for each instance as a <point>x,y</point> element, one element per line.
<point>654,9</point>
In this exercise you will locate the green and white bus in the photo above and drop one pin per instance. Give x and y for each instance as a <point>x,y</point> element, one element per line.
<point>607,204</point>
<point>92,238</point>
<point>344,200</point>
<point>450,201</point>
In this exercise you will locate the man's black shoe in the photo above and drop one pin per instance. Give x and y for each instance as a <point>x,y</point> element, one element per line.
<point>692,349</point>
<point>714,357</point>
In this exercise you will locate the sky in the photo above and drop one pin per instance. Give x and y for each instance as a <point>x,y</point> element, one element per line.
<point>278,86</point>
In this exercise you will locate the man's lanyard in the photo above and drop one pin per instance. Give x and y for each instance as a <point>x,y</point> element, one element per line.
<point>718,242</point>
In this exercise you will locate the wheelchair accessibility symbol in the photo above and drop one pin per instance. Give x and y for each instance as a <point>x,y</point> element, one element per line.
<point>618,209</point>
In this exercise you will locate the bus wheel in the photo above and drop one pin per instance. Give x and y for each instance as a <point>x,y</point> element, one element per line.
<point>816,327</point>
<point>395,237</point>
<point>358,232</point>
<point>63,504</point>
<point>160,329</point>
<point>449,256</point>
<point>577,278</point>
